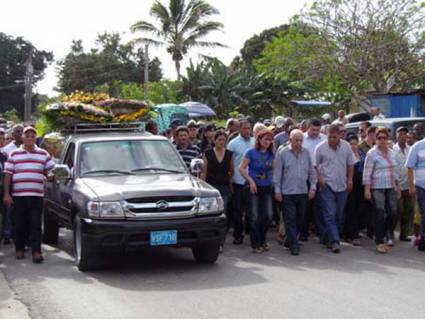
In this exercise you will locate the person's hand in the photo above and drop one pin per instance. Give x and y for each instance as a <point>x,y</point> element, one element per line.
<point>367,194</point>
<point>322,183</point>
<point>7,200</point>
<point>412,191</point>
<point>253,187</point>
<point>349,186</point>
<point>311,194</point>
<point>278,197</point>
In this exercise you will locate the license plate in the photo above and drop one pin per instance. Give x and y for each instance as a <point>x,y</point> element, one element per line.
<point>167,237</point>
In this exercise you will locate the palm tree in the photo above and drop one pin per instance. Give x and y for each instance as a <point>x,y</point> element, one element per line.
<point>180,27</point>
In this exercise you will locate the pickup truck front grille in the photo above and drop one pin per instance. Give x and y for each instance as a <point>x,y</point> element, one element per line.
<point>160,207</point>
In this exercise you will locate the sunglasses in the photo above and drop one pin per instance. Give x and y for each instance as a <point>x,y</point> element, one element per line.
<point>382,138</point>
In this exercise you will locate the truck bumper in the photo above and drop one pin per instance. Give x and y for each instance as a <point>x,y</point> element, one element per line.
<point>109,236</point>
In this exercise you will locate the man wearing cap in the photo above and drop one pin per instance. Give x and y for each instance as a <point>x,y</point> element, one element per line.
<point>24,175</point>
<point>405,203</point>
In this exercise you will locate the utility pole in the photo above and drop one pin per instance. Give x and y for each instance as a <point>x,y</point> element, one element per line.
<point>146,72</point>
<point>28,87</point>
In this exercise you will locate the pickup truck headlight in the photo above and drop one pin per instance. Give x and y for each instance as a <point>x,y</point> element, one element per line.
<point>105,209</point>
<point>208,205</point>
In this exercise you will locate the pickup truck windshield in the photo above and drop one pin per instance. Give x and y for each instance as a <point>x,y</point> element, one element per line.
<point>128,157</point>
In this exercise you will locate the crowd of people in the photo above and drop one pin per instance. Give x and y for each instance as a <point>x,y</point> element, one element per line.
<point>312,178</point>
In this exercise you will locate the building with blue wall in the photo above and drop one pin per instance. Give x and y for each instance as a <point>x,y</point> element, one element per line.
<point>400,104</point>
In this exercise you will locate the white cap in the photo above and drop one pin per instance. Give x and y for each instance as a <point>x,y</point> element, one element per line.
<point>279,121</point>
<point>326,116</point>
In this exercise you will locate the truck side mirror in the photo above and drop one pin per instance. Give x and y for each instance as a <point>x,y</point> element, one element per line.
<point>62,172</point>
<point>196,166</point>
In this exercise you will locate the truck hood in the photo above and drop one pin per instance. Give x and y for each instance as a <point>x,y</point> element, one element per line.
<point>117,188</point>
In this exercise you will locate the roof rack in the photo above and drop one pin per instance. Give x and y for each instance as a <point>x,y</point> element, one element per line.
<point>105,127</point>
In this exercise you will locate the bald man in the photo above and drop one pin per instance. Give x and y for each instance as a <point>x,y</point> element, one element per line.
<point>293,169</point>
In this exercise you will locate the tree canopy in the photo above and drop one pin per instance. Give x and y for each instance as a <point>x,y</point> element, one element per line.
<point>110,61</point>
<point>14,53</point>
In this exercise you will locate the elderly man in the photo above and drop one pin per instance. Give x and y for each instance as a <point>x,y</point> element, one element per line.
<point>293,169</point>
<point>25,171</point>
<point>341,118</point>
<point>334,161</point>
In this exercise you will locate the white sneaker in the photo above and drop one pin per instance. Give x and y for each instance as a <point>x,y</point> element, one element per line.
<point>390,243</point>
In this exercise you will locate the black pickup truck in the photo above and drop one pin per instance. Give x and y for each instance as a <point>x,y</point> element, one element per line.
<point>123,190</point>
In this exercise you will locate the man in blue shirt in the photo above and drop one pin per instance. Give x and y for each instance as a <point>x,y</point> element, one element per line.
<point>416,180</point>
<point>239,146</point>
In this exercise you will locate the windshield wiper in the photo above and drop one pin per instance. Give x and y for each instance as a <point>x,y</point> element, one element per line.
<point>109,171</point>
<point>142,169</point>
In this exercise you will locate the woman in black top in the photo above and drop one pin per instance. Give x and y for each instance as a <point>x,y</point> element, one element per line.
<point>218,166</point>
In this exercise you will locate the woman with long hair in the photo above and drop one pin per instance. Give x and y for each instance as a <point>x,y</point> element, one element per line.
<point>257,169</point>
<point>380,178</point>
<point>218,166</point>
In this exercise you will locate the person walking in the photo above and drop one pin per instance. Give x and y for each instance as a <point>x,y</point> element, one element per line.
<point>293,169</point>
<point>257,169</point>
<point>218,167</point>
<point>381,181</point>
<point>313,214</point>
<point>415,164</point>
<point>334,163</point>
<point>405,207</point>
<point>25,171</point>
<point>187,151</point>
<point>239,146</point>
<point>353,206</point>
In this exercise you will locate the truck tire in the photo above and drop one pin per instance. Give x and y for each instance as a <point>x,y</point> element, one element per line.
<point>50,227</point>
<point>206,253</point>
<point>86,258</point>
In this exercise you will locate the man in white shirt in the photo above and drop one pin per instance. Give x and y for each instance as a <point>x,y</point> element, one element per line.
<point>312,138</point>
<point>376,113</point>
<point>405,203</point>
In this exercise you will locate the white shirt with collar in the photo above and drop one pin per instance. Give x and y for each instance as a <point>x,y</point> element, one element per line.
<point>401,158</point>
<point>311,143</point>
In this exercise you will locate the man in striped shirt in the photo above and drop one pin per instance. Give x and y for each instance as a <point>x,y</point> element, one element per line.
<point>25,171</point>
<point>184,147</point>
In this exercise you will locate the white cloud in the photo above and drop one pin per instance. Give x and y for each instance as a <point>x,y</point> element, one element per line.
<point>52,25</point>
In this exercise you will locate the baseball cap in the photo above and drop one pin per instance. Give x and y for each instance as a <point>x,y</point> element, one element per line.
<point>402,129</point>
<point>192,123</point>
<point>279,121</point>
<point>326,116</point>
<point>29,129</point>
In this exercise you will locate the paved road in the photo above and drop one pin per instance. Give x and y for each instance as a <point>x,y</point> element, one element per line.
<point>166,283</point>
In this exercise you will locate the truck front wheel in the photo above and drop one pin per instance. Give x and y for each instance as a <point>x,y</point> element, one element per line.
<point>86,258</point>
<point>206,253</point>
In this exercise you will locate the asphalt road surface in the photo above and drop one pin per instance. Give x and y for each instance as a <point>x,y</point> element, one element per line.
<point>167,283</point>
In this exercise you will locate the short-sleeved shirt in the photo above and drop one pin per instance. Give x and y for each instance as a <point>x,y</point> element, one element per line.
<point>28,170</point>
<point>189,153</point>
<point>260,167</point>
<point>401,157</point>
<point>380,169</point>
<point>332,164</point>
<point>416,161</point>
<point>239,146</point>
<point>311,143</point>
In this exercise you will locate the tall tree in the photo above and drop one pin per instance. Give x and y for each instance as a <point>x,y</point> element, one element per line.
<point>110,61</point>
<point>181,26</point>
<point>13,54</point>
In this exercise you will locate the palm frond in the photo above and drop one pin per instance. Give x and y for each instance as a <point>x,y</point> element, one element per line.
<point>148,41</point>
<point>160,12</point>
<point>202,29</point>
<point>177,9</point>
<point>195,12</point>
<point>145,26</point>
<point>205,44</point>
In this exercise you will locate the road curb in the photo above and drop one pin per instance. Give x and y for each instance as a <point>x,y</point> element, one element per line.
<point>10,306</point>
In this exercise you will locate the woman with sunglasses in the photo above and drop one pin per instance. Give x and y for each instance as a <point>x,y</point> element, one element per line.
<point>380,178</point>
<point>257,169</point>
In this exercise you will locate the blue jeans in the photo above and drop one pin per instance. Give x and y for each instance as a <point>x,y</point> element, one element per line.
<point>294,207</point>
<point>420,193</point>
<point>6,225</point>
<point>333,204</point>
<point>385,213</point>
<point>261,214</point>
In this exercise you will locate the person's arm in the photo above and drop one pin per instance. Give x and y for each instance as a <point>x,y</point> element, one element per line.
<point>312,178</point>
<point>316,163</point>
<point>410,182</point>
<point>350,173</point>
<point>411,164</point>
<point>232,166</point>
<point>277,176</point>
<point>243,169</point>
<point>204,168</point>
<point>367,176</point>
<point>7,199</point>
